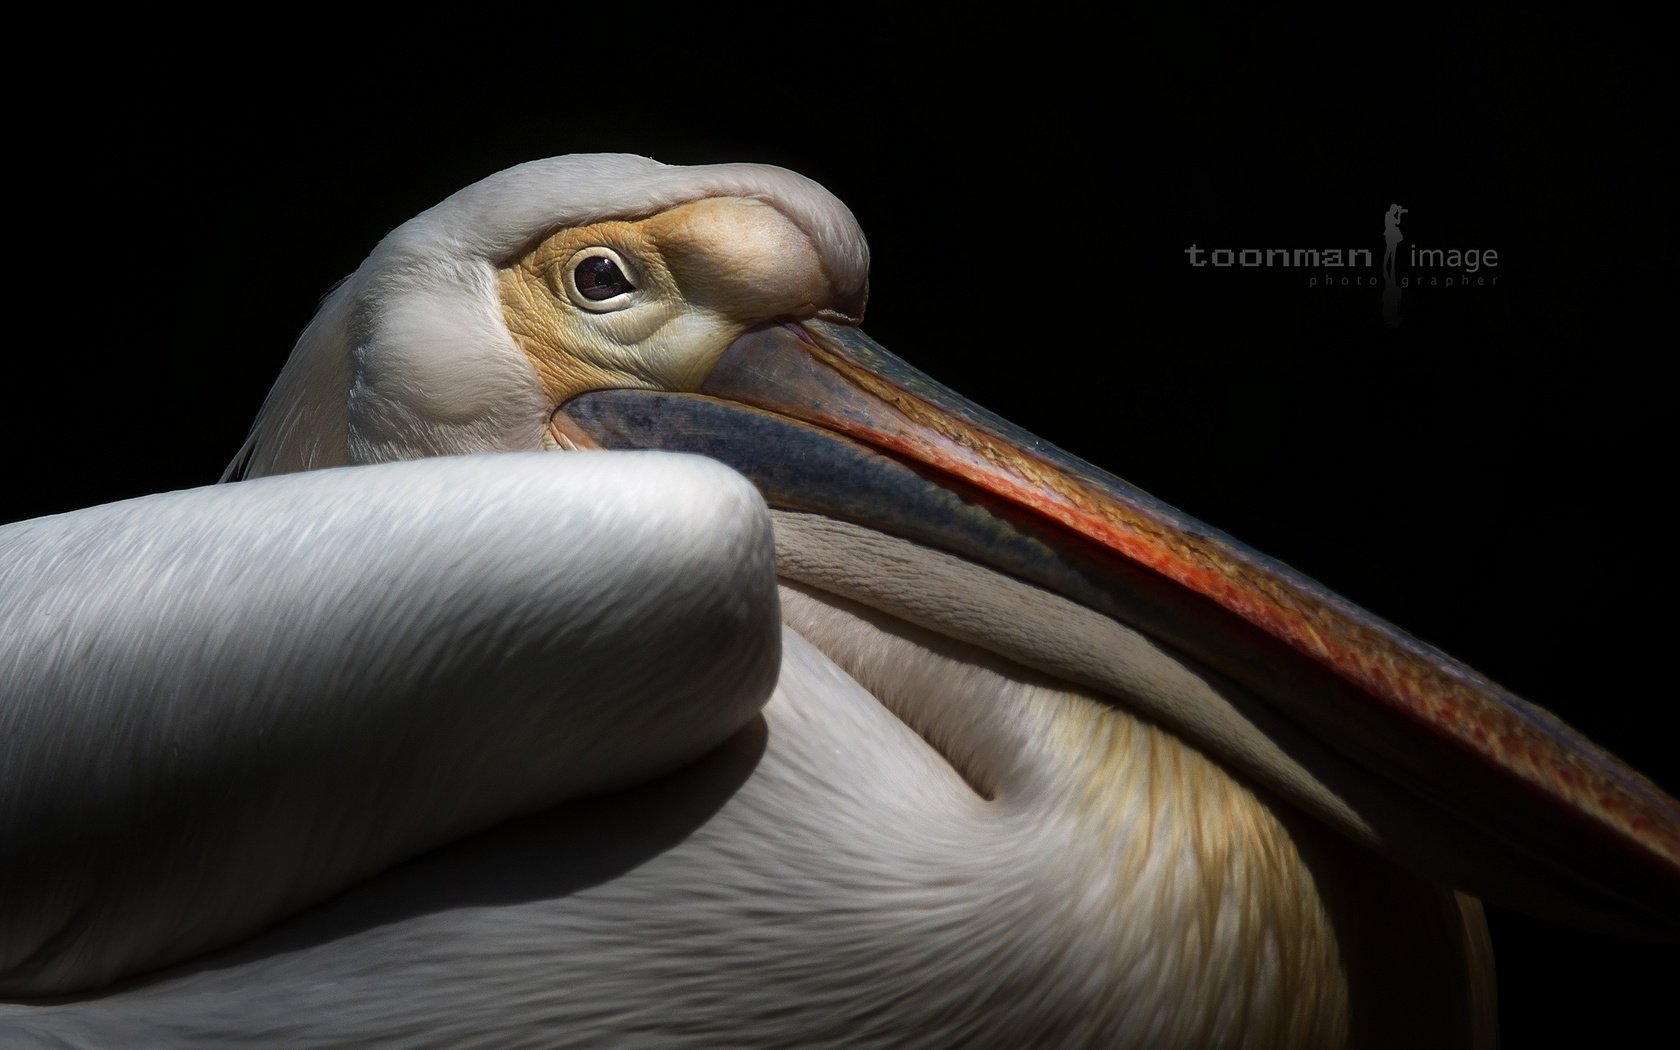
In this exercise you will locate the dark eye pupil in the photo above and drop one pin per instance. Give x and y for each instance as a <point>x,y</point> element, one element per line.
<point>598,277</point>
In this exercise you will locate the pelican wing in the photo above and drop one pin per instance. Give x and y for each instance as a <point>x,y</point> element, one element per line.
<point>222,705</point>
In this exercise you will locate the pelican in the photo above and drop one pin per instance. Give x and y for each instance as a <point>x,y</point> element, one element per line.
<point>609,644</point>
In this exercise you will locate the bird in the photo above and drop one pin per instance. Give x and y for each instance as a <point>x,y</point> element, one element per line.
<point>603,641</point>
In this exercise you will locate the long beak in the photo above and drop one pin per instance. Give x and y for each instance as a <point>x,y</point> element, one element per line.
<point>826,420</point>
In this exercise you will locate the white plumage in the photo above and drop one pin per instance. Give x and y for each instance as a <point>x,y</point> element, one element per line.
<point>945,824</point>
<point>273,640</point>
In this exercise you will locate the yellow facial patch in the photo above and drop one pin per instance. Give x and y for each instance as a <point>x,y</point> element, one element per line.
<point>700,274</point>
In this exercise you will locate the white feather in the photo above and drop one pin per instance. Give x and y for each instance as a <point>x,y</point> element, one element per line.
<point>220,706</point>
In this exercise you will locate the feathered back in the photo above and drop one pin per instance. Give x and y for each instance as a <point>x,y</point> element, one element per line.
<point>410,356</point>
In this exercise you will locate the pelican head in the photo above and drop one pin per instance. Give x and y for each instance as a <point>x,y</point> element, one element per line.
<point>469,325</point>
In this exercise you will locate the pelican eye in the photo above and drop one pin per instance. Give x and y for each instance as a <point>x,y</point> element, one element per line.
<point>598,277</point>
<point>597,280</point>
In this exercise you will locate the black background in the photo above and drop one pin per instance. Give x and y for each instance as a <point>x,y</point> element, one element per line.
<point>1488,474</point>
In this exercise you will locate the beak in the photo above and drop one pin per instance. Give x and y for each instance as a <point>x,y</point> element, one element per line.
<point>825,420</point>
